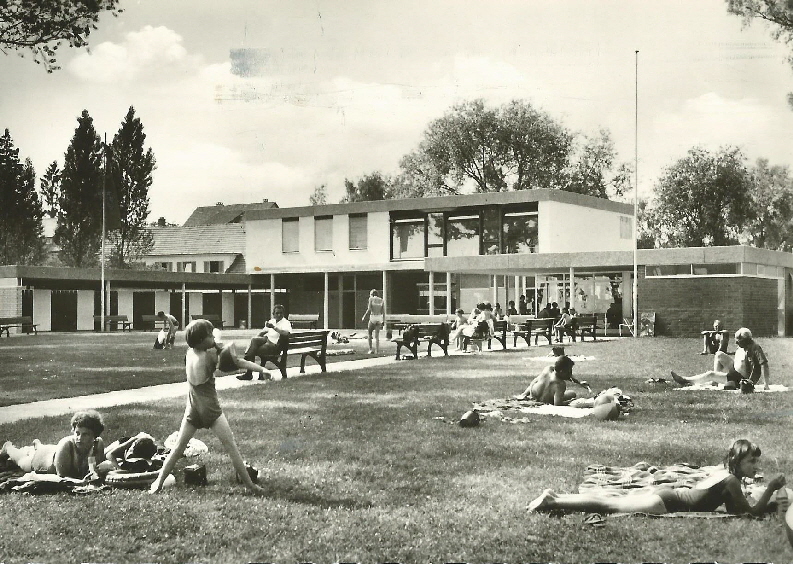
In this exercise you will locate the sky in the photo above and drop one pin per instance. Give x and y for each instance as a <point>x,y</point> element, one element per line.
<point>246,100</point>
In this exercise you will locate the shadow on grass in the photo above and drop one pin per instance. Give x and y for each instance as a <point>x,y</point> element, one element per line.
<point>290,489</point>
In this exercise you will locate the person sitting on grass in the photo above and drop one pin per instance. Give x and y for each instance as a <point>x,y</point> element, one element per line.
<point>749,363</point>
<point>551,385</point>
<point>707,495</point>
<point>80,455</point>
<point>715,340</point>
<point>203,408</point>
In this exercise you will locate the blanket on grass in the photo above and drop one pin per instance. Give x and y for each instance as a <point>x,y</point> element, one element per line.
<point>643,477</point>
<point>33,483</point>
<point>507,409</point>
<point>714,386</point>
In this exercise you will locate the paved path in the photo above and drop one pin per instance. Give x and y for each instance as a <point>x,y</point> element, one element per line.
<point>61,406</point>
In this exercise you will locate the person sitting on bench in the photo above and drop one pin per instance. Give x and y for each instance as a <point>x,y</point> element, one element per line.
<point>266,342</point>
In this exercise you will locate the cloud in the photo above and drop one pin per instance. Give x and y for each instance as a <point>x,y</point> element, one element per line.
<point>143,54</point>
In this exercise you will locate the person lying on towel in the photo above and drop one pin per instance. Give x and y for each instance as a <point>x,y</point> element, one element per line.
<point>551,385</point>
<point>722,488</point>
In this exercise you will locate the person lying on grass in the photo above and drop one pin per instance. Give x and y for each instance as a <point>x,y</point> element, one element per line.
<point>80,455</point>
<point>749,363</point>
<point>742,461</point>
<point>203,408</point>
<point>551,385</point>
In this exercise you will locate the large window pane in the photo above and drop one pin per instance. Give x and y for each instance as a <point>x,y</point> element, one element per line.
<point>703,269</point>
<point>520,233</point>
<point>462,236</point>
<point>491,231</point>
<point>290,236</point>
<point>407,239</point>
<point>323,233</point>
<point>359,225</point>
<point>435,235</point>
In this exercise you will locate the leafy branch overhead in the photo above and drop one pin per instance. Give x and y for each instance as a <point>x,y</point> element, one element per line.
<point>40,27</point>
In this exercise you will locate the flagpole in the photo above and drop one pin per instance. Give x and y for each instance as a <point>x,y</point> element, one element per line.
<point>636,202</point>
<point>102,259</point>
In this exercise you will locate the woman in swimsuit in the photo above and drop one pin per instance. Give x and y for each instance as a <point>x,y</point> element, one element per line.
<point>375,309</point>
<point>724,488</point>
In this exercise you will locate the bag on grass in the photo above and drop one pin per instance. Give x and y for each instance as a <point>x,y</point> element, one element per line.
<point>195,475</point>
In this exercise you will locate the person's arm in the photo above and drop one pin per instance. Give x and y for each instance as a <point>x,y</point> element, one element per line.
<point>368,309</point>
<point>558,394</point>
<point>766,374</point>
<point>737,502</point>
<point>64,462</point>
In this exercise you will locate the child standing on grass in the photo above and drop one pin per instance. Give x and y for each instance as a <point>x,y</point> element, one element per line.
<point>203,408</point>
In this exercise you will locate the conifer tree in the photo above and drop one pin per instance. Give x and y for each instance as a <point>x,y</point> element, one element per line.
<point>51,188</point>
<point>130,167</point>
<point>21,234</point>
<point>79,229</point>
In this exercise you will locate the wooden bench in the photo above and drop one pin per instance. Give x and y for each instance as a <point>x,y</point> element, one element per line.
<point>25,322</point>
<point>309,320</point>
<point>303,342</point>
<point>430,333</point>
<point>500,329</point>
<point>149,322</point>
<point>115,321</point>
<point>212,318</point>
<point>586,324</point>
<point>534,327</point>
<point>400,322</point>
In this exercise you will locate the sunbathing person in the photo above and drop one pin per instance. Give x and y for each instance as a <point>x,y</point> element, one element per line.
<point>721,488</point>
<point>749,363</point>
<point>551,385</point>
<point>80,455</point>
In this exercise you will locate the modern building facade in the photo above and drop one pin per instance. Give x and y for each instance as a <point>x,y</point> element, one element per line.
<point>427,256</point>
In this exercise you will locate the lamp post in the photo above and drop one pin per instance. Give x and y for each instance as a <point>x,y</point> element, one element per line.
<point>102,258</point>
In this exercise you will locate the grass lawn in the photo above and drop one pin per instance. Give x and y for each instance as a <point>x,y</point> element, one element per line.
<point>358,468</point>
<point>59,365</point>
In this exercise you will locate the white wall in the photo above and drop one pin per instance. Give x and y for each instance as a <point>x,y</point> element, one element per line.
<point>196,301</point>
<point>85,310</point>
<point>125,303</point>
<point>263,244</point>
<point>162,302</point>
<point>42,309</point>
<point>567,228</point>
<point>227,308</point>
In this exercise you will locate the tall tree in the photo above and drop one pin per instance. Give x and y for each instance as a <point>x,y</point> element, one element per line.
<point>777,13</point>
<point>703,199</point>
<point>21,235</point>
<point>320,196</point>
<point>368,189</point>
<point>590,171</point>
<point>79,229</point>
<point>771,224</point>
<point>129,176</point>
<point>50,185</point>
<point>41,26</point>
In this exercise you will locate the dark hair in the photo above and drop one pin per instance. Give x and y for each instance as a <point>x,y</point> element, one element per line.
<point>279,306</point>
<point>460,311</point>
<point>563,364</point>
<point>160,314</point>
<point>197,331</point>
<point>739,450</point>
<point>90,420</point>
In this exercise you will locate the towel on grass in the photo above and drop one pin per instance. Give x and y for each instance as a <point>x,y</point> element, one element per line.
<point>34,483</point>
<point>713,386</point>
<point>504,408</point>
<point>642,478</point>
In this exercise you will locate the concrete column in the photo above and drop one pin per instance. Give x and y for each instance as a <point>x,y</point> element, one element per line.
<point>184,306</point>
<point>325,300</point>
<point>448,294</point>
<point>432,293</point>
<point>272,295</point>
<point>250,305</point>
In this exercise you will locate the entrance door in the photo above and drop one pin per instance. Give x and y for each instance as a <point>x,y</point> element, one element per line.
<point>142,304</point>
<point>63,310</point>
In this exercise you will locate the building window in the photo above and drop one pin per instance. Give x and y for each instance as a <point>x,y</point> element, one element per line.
<point>626,227</point>
<point>213,266</point>
<point>463,236</point>
<point>435,230</point>
<point>189,266</point>
<point>520,232</point>
<point>323,233</point>
<point>359,235</point>
<point>491,231</point>
<point>407,239</point>
<point>166,266</point>
<point>290,235</point>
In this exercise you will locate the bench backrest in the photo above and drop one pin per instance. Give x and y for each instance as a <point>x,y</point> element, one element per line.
<point>208,317</point>
<point>422,330</point>
<point>586,320</point>
<point>112,318</point>
<point>307,338</point>
<point>541,324</point>
<point>21,320</point>
<point>500,325</point>
<point>303,317</point>
<point>416,319</point>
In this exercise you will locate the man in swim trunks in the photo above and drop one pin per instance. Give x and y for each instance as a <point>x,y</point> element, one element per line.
<point>551,385</point>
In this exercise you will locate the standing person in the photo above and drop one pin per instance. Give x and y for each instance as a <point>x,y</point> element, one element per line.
<point>742,461</point>
<point>375,309</point>
<point>266,342</point>
<point>523,307</point>
<point>169,324</point>
<point>748,363</point>
<point>203,408</point>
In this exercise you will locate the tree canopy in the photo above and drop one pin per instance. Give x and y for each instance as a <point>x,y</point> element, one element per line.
<point>771,222</point>
<point>704,199</point>
<point>41,26</point>
<point>777,13</point>
<point>21,234</point>
<point>369,188</point>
